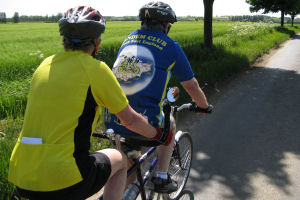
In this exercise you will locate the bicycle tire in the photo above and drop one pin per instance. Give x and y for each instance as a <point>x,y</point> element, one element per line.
<point>186,195</point>
<point>181,173</point>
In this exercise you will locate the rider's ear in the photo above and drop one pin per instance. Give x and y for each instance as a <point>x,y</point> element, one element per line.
<point>98,42</point>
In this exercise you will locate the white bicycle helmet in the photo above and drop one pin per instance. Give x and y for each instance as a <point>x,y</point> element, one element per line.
<point>82,23</point>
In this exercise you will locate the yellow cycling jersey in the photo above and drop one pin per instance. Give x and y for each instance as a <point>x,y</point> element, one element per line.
<point>63,106</point>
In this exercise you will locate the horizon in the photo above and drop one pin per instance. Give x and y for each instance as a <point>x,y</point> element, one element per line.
<point>176,16</point>
<point>108,8</point>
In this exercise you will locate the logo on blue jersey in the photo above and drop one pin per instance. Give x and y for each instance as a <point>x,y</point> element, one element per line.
<point>134,68</point>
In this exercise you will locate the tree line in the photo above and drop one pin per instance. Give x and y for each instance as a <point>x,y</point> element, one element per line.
<point>54,18</point>
<point>285,7</point>
<point>261,18</point>
<point>32,18</point>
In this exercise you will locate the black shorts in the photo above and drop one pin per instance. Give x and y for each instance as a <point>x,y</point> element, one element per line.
<point>94,181</point>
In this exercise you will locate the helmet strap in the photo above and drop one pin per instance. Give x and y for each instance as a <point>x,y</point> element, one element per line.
<point>95,52</point>
<point>167,28</point>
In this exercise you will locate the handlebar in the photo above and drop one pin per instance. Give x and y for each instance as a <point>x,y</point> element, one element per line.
<point>192,107</point>
<point>109,134</point>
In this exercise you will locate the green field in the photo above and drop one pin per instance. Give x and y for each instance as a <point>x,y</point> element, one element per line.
<point>23,46</point>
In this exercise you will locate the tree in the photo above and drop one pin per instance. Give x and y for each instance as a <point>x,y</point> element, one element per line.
<point>208,13</point>
<point>282,6</point>
<point>2,17</point>
<point>58,16</point>
<point>294,11</point>
<point>16,17</point>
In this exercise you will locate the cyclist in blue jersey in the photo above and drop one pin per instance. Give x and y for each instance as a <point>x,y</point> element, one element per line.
<point>145,62</point>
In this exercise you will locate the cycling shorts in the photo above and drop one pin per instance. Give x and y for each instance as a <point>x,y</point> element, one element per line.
<point>96,179</point>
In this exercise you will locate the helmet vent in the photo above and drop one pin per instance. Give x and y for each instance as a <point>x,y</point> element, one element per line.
<point>158,11</point>
<point>147,14</point>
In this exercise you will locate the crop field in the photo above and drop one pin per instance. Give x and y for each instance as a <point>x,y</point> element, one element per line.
<point>23,46</point>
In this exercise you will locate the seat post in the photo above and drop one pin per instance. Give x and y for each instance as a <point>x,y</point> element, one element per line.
<point>118,143</point>
<point>140,179</point>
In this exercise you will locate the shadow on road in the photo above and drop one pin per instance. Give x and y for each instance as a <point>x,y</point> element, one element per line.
<point>254,126</point>
<point>297,37</point>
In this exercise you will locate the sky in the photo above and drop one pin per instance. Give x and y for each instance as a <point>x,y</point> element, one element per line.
<point>123,7</point>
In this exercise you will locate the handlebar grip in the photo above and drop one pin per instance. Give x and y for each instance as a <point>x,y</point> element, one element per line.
<point>164,132</point>
<point>196,108</point>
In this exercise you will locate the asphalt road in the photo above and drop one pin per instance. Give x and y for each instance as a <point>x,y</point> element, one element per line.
<point>249,148</point>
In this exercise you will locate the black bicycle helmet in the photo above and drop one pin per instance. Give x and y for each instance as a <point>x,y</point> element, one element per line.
<point>159,11</point>
<point>81,23</point>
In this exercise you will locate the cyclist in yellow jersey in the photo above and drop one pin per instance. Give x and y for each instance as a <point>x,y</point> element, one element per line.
<point>51,158</point>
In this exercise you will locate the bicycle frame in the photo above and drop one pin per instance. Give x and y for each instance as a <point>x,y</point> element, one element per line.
<point>136,167</point>
<point>139,161</point>
<point>167,108</point>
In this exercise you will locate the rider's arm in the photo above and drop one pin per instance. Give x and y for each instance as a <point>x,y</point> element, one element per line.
<point>136,122</point>
<point>193,89</point>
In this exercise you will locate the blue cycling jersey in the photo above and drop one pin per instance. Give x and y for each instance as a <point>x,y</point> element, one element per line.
<point>143,67</point>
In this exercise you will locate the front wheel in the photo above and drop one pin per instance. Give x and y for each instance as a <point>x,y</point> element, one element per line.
<point>181,161</point>
<point>186,195</point>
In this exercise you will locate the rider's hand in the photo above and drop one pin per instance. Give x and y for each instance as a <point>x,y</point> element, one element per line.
<point>162,137</point>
